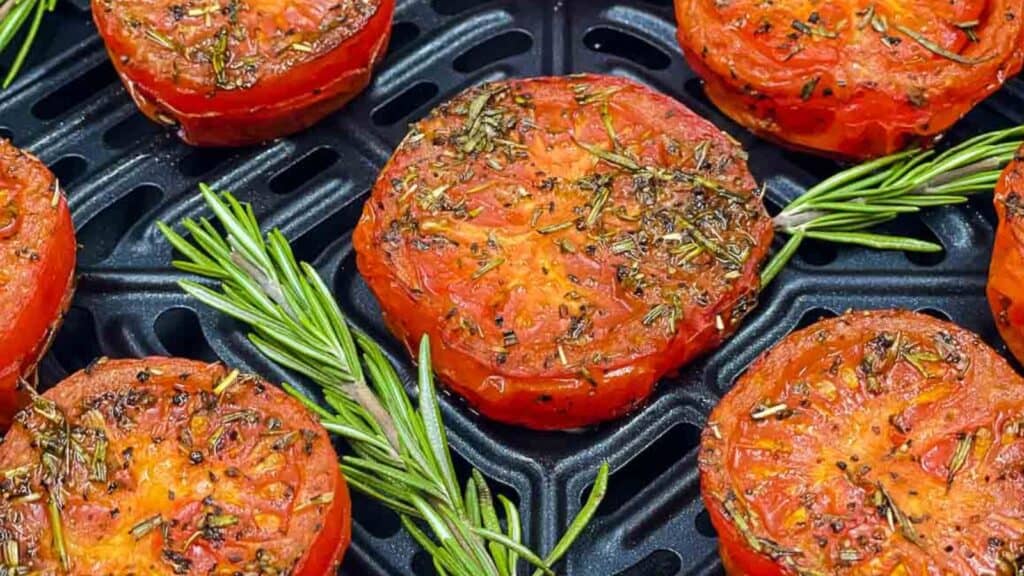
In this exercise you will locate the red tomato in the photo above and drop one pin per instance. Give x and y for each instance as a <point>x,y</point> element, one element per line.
<point>37,264</point>
<point>877,443</point>
<point>855,78</point>
<point>239,72</point>
<point>169,466</point>
<point>565,242</point>
<point>1006,275</point>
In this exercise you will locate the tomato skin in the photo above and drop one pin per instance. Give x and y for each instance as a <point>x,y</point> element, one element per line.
<point>847,79</point>
<point>288,94</point>
<point>37,263</point>
<point>243,480</point>
<point>1006,274</point>
<point>883,442</point>
<point>547,277</point>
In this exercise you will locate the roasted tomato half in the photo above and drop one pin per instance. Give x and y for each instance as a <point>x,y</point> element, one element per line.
<point>239,72</point>
<point>169,466</point>
<point>37,265</point>
<point>857,78</point>
<point>877,443</point>
<point>564,242</point>
<point>1006,276</point>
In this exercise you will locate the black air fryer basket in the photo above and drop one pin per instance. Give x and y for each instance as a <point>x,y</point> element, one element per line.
<point>122,173</point>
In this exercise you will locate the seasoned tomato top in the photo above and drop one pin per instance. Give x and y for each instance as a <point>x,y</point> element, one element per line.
<point>916,51</point>
<point>163,466</point>
<point>201,47</point>
<point>874,443</point>
<point>563,228</point>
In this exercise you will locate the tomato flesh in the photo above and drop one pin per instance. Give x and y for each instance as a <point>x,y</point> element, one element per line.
<point>240,72</point>
<point>1006,275</point>
<point>856,78</point>
<point>565,242</point>
<point>37,263</point>
<point>882,442</point>
<point>162,472</point>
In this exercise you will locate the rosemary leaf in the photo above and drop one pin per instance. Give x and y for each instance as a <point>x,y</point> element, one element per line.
<point>400,452</point>
<point>843,207</point>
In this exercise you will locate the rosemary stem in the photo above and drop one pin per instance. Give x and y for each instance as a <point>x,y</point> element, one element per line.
<point>843,207</point>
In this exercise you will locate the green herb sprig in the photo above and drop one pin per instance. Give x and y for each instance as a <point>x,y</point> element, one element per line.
<point>400,454</point>
<point>842,208</point>
<point>14,16</point>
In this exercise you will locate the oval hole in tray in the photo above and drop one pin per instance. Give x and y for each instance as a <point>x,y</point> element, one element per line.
<point>132,129</point>
<point>69,168</point>
<point>402,34</point>
<point>625,45</point>
<point>404,104</point>
<point>657,563</point>
<point>495,48</point>
<point>100,235</point>
<point>452,7</point>
<point>647,466</point>
<point>179,331</point>
<point>303,170</point>
<point>77,343</point>
<point>70,95</point>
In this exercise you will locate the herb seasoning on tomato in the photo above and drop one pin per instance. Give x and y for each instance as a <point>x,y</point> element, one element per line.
<point>855,78</point>
<point>564,242</point>
<point>1006,275</point>
<point>37,264</point>
<point>238,72</point>
<point>882,442</point>
<point>169,466</point>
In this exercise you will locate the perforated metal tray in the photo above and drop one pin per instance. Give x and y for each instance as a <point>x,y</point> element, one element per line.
<point>123,173</point>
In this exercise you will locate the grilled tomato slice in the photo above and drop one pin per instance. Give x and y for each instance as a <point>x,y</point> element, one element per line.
<point>37,265</point>
<point>170,466</point>
<point>1006,275</point>
<point>877,443</point>
<point>239,72</point>
<point>855,79</point>
<point>564,242</point>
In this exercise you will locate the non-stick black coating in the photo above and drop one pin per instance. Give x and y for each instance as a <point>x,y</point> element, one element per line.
<point>123,173</point>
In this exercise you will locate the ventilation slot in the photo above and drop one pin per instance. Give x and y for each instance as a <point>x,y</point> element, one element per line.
<point>402,34</point>
<point>813,316</point>
<point>77,343</point>
<point>452,7</point>
<point>69,168</point>
<point>303,170</point>
<point>72,94</point>
<point>935,313</point>
<point>313,242</point>
<point>648,466</point>
<point>703,525</point>
<point>912,226</point>
<point>633,48</point>
<point>179,331</point>
<point>100,236</point>
<point>817,252</point>
<point>374,517</point>
<point>404,104</point>
<point>129,131</point>
<point>203,160</point>
<point>659,563</point>
<point>506,45</point>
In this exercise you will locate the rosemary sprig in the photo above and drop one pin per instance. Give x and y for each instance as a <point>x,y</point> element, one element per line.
<point>14,15</point>
<point>400,454</point>
<point>842,208</point>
